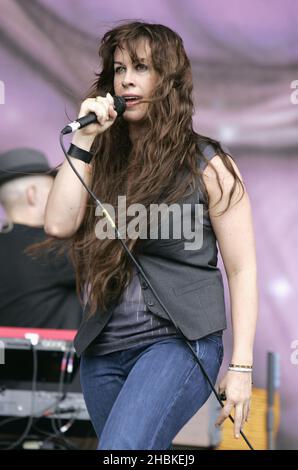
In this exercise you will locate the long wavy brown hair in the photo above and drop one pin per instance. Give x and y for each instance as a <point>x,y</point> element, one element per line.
<point>162,166</point>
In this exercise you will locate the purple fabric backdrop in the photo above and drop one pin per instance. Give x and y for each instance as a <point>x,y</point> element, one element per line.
<point>244,58</point>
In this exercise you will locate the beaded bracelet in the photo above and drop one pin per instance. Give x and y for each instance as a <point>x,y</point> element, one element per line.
<point>239,369</point>
<point>237,365</point>
<point>80,154</point>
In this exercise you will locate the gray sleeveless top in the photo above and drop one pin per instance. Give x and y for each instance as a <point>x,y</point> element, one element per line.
<point>132,323</point>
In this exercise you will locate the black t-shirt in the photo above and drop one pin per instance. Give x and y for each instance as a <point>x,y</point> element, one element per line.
<point>35,292</point>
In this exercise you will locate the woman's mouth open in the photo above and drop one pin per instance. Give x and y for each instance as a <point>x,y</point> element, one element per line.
<point>132,100</point>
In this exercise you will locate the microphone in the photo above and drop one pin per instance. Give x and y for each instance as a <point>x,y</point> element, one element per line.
<point>119,106</point>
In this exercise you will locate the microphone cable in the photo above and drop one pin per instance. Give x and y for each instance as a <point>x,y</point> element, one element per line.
<point>141,271</point>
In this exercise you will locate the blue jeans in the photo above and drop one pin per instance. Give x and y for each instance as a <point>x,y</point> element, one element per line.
<point>141,397</point>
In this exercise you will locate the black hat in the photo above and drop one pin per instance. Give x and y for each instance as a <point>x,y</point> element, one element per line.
<point>22,162</point>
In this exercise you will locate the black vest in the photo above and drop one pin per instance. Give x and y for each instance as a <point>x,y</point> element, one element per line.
<point>188,281</point>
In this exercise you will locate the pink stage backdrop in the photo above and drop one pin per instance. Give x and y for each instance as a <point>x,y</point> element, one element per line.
<point>244,59</point>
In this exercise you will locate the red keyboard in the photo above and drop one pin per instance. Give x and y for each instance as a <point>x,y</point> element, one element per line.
<point>44,333</point>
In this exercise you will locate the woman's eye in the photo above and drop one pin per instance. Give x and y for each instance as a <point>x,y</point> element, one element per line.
<point>117,69</point>
<point>138,67</point>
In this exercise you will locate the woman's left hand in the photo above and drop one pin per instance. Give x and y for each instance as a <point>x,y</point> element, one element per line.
<point>237,387</point>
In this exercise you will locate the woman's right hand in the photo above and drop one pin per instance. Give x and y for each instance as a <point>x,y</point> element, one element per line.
<point>103,107</point>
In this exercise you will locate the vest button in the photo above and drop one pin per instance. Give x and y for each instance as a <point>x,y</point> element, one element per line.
<point>151,303</point>
<point>144,285</point>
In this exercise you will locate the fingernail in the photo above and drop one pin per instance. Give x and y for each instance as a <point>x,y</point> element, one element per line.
<point>237,436</point>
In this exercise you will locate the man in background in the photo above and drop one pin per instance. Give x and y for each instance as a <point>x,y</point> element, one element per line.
<point>39,291</point>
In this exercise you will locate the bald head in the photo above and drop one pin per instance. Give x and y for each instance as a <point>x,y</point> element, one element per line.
<point>24,199</point>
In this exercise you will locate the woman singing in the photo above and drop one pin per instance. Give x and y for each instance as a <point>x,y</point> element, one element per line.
<point>140,381</point>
